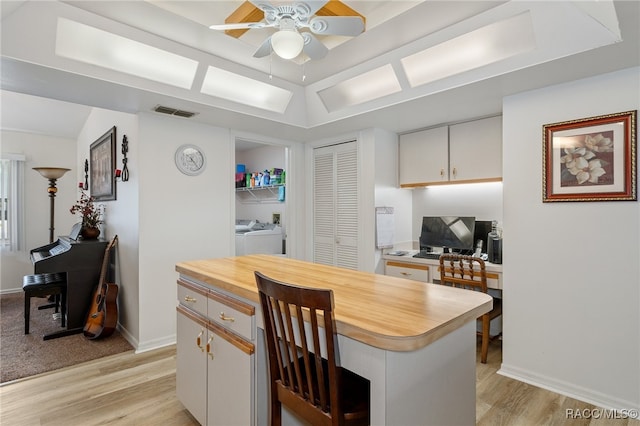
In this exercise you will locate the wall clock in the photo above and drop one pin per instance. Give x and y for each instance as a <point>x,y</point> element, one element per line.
<point>190,160</point>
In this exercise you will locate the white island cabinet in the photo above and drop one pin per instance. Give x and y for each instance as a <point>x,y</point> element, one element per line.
<point>215,356</point>
<point>402,335</point>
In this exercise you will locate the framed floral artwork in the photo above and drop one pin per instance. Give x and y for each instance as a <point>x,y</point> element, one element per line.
<point>591,159</point>
<point>102,182</point>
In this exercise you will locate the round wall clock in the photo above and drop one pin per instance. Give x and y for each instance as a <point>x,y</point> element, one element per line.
<point>190,160</point>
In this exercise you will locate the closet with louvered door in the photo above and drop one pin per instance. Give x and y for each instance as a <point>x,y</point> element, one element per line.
<point>335,205</point>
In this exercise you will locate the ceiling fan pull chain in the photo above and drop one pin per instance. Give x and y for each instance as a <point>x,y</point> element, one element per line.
<point>304,74</point>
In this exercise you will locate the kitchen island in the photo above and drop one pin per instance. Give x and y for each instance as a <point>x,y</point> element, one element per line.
<point>414,341</point>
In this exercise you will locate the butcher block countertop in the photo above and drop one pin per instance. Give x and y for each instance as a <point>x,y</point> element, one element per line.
<point>385,312</point>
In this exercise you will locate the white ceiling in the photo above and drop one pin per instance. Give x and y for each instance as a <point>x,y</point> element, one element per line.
<point>394,28</point>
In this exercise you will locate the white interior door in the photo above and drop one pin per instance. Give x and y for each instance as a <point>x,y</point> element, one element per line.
<point>335,204</point>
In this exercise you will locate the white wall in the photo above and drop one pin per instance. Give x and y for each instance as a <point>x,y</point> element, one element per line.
<point>40,151</point>
<point>181,217</point>
<point>386,191</point>
<point>571,270</point>
<point>121,214</point>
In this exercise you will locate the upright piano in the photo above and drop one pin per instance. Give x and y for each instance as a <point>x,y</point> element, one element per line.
<point>81,260</point>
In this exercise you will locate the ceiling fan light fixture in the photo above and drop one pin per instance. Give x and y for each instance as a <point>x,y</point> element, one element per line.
<point>287,43</point>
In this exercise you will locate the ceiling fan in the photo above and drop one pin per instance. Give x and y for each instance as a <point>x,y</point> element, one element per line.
<point>296,26</point>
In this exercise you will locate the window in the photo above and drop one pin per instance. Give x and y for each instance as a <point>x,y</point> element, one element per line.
<point>12,202</point>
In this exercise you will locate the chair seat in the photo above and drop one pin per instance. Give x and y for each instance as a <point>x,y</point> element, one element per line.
<point>42,285</point>
<point>355,402</point>
<point>42,280</point>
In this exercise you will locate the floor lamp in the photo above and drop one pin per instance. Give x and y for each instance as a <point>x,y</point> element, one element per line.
<point>53,174</point>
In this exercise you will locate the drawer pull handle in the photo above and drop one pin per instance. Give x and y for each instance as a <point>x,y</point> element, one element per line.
<point>209,347</point>
<point>223,317</point>
<point>190,299</point>
<point>406,274</point>
<point>199,341</point>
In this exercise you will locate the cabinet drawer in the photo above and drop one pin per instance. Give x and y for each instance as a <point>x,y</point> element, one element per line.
<point>232,313</point>
<point>193,296</point>
<point>411,271</point>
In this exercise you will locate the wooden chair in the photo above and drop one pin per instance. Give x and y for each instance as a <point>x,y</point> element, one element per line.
<point>44,285</point>
<point>470,273</point>
<point>315,388</point>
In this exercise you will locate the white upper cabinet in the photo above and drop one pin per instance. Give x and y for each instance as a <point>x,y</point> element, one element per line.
<point>465,152</point>
<point>475,150</point>
<point>424,157</point>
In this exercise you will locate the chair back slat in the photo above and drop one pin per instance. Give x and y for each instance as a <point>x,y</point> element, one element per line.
<point>297,362</point>
<point>461,271</point>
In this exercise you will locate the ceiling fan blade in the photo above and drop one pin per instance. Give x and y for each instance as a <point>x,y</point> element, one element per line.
<point>264,49</point>
<point>313,47</point>
<point>239,26</point>
<point>337,25</point>
<point>306,9</point>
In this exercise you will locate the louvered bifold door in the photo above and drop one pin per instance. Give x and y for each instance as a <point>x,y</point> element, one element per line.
<point>335,203</point>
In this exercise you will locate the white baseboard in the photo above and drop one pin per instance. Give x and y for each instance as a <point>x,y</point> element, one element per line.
<point>146,346</point>
<point>571,390</point>
<point>156,344</point>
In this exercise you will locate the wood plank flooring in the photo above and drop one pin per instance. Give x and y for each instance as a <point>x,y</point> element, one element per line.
<point>129,389</point>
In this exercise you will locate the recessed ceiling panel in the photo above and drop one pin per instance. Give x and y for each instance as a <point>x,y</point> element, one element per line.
<point>97,47</point>
<point>247,91</point>
<point>362,88</point>
<point>486,45</point>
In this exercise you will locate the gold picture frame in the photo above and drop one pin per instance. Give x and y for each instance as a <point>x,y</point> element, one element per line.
<point>591,159</point>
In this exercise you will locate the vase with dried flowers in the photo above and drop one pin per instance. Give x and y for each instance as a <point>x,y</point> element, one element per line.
<point>88,211</point>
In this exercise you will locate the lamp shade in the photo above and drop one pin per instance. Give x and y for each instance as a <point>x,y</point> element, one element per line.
<point>287,43</point>
<point>51,172</point>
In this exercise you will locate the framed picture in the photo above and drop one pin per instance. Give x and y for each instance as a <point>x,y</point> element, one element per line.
<point>591,159</point>
<point>102,182</point>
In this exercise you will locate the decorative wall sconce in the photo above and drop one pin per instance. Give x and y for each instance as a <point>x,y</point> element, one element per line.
<point>125,168</point>
<point>86,175</point>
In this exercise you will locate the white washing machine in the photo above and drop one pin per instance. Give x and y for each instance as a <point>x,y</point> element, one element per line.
<point>258,238</point>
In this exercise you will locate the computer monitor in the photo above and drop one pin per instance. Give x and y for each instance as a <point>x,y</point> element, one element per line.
<point>453,232</point>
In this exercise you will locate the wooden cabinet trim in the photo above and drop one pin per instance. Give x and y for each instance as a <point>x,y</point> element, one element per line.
<point>192,315</point>
<point>449,182</point>
<point>238,305</point>
<point>408,265</point>
<point>193,287</point>
<point>232,338</point>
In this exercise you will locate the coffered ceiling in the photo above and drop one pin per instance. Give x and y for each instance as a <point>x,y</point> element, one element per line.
<point>412,67</point>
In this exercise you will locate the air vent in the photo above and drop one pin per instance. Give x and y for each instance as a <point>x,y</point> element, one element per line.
<point>172,111</point>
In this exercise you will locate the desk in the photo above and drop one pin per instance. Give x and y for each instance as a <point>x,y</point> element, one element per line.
<point>414,341</point>
<point>427,270</point>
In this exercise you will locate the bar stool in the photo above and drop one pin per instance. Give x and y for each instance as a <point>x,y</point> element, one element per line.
<point>42,285</point>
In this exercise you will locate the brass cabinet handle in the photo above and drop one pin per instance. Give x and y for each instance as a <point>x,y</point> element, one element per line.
<point>209,347</point>
<point>455,172</point>
<point>190,299</point>
<point>223,317</point>
<point>406,274</point>
<point>199,341</point>
<point>441,172</point>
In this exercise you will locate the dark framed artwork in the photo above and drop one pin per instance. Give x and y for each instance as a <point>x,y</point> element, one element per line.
<point>591,159</point>
<point>102,182</point>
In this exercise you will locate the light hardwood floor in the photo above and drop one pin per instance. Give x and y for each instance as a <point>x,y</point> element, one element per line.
<point>129,389</point>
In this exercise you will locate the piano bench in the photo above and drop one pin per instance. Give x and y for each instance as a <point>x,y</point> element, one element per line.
<point>43,285</point>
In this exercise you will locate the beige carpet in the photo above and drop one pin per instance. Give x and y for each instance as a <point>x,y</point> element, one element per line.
<point>26,355</point>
